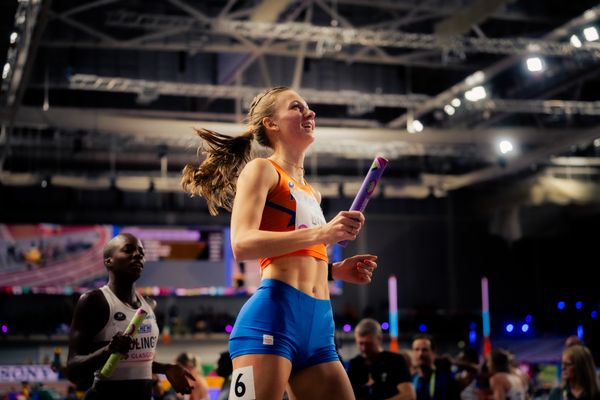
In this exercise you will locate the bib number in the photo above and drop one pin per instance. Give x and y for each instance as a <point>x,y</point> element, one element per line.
<point>308,211</point>
<point>240,388</point>
<point>242,384</point>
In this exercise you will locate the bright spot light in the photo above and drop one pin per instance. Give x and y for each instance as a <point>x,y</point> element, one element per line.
<point>535,64</point>
<point>415,127</point>
<point>580,332</point>
<point>591,34</point>
<point>385,326</point>
<point>509,328</point>
<point>505,146</point>
<point>13,37</point>
<point>422,328</point>
<point>5,70</point>
<point>475,79</point>
<point>4,329</point>
<point>455,102</point>
<point>594,314</point>
<point>228,328</point>
<point>589,14</point>
<point>476,94</point>
<point>575,42</point>
<point>579,305</point>
<point>561,305</point>
<point>347,328</point>
<point>448,109</point>
<point>472,337</point>
<point>524,328</point>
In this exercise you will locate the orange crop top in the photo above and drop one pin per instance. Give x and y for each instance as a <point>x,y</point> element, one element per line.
<point>290,206</point>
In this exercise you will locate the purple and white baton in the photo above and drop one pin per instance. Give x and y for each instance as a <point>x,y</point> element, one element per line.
<point>367,188</point>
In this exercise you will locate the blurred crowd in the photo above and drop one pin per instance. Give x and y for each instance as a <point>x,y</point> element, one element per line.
<point>211,382</point>
<point>415,373</point>
<point>498,375</point>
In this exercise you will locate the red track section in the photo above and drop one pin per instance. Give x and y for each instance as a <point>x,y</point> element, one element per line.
<point>86,265</point>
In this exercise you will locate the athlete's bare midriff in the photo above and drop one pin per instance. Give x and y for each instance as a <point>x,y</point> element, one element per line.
<point>305,273</point>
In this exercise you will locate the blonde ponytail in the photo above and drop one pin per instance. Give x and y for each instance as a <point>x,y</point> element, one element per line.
<point>215,178</point>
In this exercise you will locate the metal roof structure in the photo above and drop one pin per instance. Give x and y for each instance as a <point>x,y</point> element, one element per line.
<point>110,89</point>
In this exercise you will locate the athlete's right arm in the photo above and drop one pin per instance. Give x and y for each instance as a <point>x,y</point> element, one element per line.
<point>249,242</point>
<point>90,316</point>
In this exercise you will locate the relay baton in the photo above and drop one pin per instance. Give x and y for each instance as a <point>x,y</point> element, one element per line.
<point>111,364</point>
<point>367,188</point>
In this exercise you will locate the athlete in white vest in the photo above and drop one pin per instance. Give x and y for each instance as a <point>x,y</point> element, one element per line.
<point>100,318</point>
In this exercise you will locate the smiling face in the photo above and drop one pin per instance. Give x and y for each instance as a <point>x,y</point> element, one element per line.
<point>124,257</point>
<point>294,121</point>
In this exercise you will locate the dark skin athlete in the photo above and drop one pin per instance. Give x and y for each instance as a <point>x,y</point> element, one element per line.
<point>124,260</point>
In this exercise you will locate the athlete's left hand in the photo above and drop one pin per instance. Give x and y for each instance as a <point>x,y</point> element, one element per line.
<point>357,269</point>
<point>179,378</point>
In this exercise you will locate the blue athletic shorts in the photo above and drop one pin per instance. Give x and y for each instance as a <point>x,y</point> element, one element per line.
<point>280,319</point>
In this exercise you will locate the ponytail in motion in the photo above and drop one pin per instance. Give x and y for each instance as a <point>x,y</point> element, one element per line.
<point>215,178</point>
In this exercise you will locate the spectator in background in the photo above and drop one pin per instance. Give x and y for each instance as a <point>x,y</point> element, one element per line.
<point>579,379</point>
<point>573,340</point>
<point>431,383</point>
<point>158,390</point>
<point>443,363</point>
<point>100,317</point>
<point>72,393</point>
<point>407,354</point>
<point>56,364</point>
<point>199,386</point>
<point>504,382</point>
<point>467,363</point>
<point>376,373</point>
<point>225,369</point>
<point>516,369</point>
<point>33,256</point>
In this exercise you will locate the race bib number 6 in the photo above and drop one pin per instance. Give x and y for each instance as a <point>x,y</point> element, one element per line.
<point>242,384</point>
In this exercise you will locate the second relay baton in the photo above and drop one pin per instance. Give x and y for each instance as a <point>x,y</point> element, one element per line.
<point>367,188</point>
<point>111,364</point>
